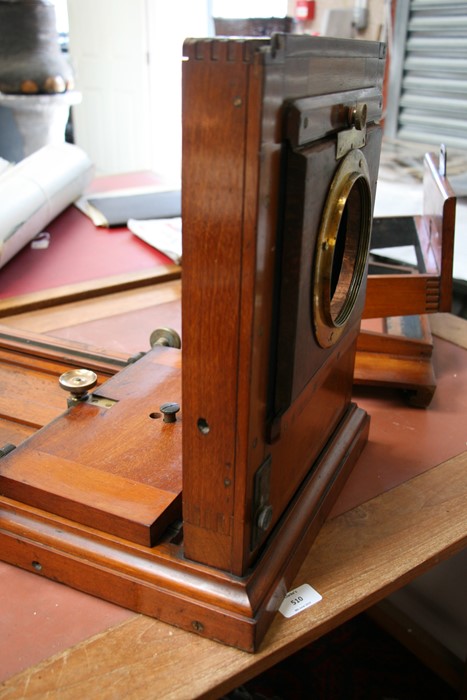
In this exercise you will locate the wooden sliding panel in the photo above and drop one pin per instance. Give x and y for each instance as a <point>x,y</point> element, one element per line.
<point>96,462</point>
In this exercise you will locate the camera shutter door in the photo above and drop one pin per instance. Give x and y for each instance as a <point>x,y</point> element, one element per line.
<point>427,99</point>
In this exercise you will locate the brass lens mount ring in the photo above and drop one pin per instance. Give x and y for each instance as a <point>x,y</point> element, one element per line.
<point>342,248</point>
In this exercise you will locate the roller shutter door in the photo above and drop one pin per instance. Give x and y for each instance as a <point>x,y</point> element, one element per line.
<point>427,98</point>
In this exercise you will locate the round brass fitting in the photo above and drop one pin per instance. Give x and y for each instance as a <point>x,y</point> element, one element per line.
<point>342,248</point>
<point>78,381</point>
<point>167,337</point>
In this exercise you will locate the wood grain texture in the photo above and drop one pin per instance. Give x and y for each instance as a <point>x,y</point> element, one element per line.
<point>357,559</point>
<point>415,375</point>
<point>213,166</point>
<point>436,227</point>
<point>76,468</point>
<point>24,348</point>
<point>89,309</point>
<point>30,366</point>
<point>237,154</point>
<point>395,338</point>
<point>399,357</point>
<point>160,581</point>
<point>401,296</point>
<point>449,327</point>
<point>430,290</point>
<point>86,290</point>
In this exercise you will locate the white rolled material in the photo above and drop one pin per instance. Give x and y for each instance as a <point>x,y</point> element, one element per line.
<point>36,190</point>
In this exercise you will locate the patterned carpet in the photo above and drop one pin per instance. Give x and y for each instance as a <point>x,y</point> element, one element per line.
<point>357,661</point>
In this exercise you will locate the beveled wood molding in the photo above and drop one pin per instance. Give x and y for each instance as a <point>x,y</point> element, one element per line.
<point>87,290</point>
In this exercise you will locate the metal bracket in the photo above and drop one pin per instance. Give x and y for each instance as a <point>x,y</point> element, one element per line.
<point>349,140</point>
<point>101,401</point>
<point>262,508</point>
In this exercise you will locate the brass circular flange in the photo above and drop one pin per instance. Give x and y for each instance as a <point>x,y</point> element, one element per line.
<point>342,248</point>
<point>78,381</point>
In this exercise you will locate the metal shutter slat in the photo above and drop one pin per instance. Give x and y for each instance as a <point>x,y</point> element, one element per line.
<point>427,98</point>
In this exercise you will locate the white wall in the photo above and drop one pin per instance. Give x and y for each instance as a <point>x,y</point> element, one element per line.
<point>166,34</point>
<point>127,57</point>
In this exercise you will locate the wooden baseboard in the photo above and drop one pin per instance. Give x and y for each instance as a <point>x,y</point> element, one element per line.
<point>160,582</point>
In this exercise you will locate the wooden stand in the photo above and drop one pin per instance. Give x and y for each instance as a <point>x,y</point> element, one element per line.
<point>279,172</point>
<point>400,355</point>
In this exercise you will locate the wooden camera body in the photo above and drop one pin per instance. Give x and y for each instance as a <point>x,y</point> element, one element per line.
<point>204,520</point>
<point>278,185</point>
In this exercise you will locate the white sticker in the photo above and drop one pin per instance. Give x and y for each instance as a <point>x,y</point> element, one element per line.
<point>41,241</point>
<point>299,599</point>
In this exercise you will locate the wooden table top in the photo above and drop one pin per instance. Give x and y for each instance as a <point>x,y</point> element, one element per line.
<point>358,558</point>
<point>402,511</point>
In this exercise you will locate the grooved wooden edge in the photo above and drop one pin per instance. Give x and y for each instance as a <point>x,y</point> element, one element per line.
<point>85,290</point>
<point>358,558</point>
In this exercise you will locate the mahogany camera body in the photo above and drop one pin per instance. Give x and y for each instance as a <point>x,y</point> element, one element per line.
<point>204,520</point>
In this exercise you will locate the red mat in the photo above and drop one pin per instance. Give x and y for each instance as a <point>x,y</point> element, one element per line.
<point>80,251</point>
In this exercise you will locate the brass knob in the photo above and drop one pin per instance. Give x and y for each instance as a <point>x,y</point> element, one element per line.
<point>78,382</point>
<point>167,337</point>
<point>358,115</point>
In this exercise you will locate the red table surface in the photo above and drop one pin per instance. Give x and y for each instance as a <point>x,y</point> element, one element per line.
<point>79,251</point>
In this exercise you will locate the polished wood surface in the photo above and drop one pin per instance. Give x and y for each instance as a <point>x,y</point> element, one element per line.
<point>64,294</point>
<point>71,468</point>
<point>30,365</point>
<point>357,559</point>
<point>431,289</point>
<point>399,356</point>
<point>403,359</point>
<point>60,319</point>
<point>233,427</point>
<point>416,556</point>
<point>109,477</point>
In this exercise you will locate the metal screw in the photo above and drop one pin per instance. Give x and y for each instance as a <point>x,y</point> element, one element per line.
<point>6,449</point>
<point>169,410</point>
<point>264,518</point>
<point>197,626</point>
